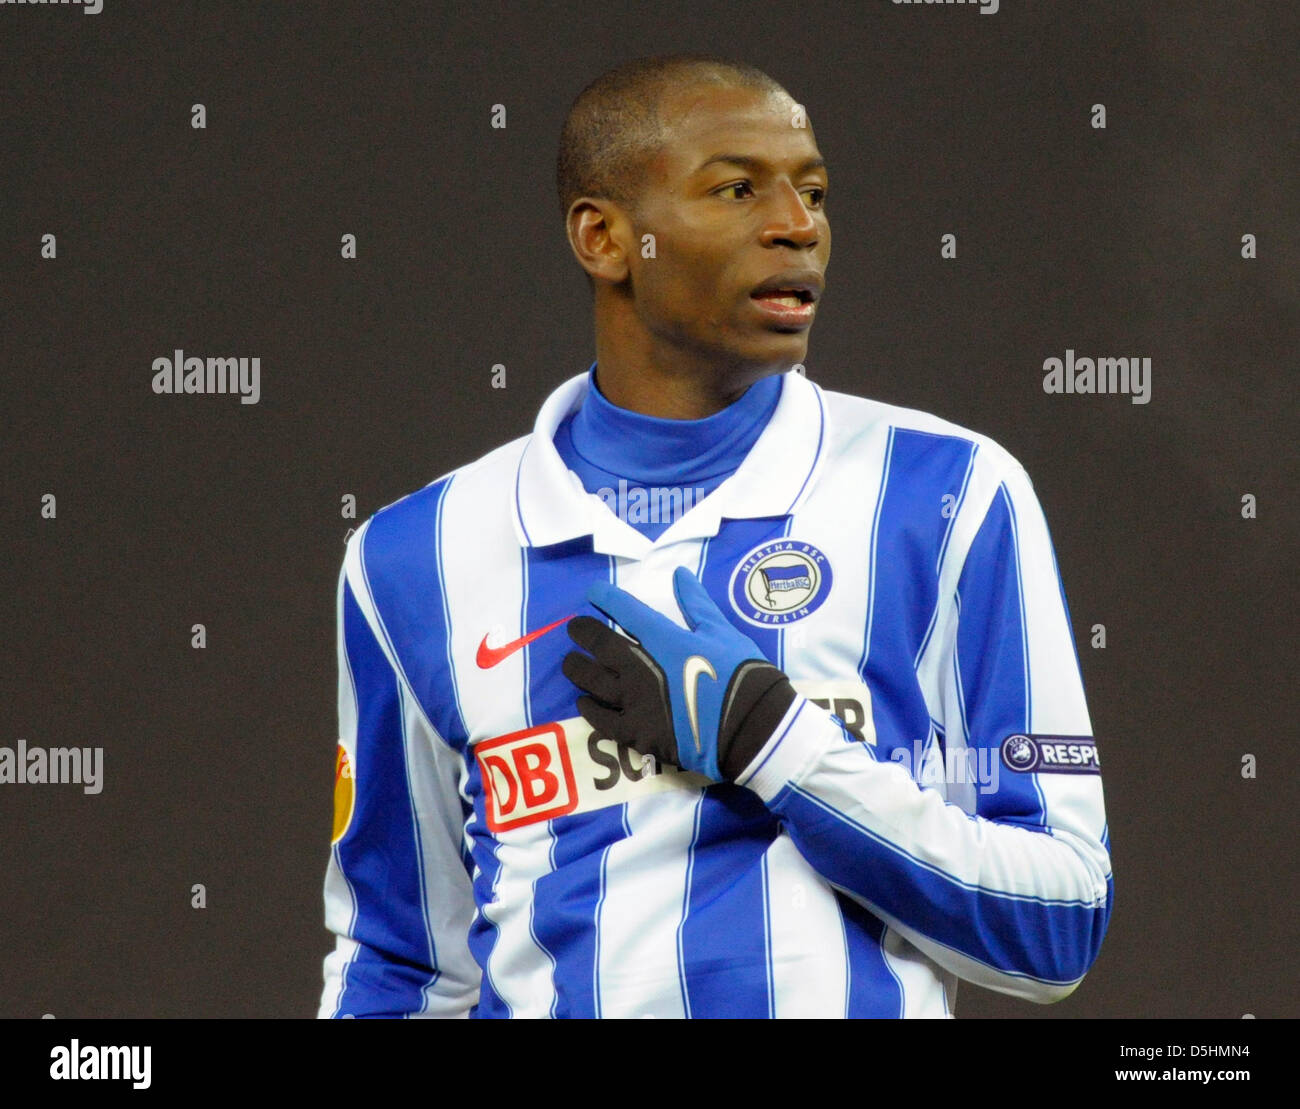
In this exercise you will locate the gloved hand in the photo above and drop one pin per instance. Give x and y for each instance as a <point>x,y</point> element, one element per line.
<point>704,699</point>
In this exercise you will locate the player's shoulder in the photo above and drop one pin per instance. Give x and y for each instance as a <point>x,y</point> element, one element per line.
<point>409,526</point>
<point>857,421</point>
<point>496,469</point>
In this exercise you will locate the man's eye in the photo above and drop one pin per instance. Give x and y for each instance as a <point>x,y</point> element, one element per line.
<point>818,194</point>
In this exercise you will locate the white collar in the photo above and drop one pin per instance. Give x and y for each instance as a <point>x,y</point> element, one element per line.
<point>551,506</point>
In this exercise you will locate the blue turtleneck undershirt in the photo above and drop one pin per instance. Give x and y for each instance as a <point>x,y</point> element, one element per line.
<point>604,444</point>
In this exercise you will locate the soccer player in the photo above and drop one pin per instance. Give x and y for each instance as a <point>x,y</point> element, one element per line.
<point>720,694</point>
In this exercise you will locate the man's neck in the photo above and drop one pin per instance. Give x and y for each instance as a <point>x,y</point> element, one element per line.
<point>680,392</point>
<point>642,372</point>
<point>668,398</point>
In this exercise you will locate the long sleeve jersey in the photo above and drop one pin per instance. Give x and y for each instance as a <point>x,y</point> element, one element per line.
<point>929,810</point>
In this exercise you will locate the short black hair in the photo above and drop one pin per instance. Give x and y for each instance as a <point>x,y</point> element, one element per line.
<point>614,126</point>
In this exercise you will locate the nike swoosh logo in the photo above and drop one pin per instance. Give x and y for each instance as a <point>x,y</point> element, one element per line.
<point>691,671</point>
<point>488,657</point>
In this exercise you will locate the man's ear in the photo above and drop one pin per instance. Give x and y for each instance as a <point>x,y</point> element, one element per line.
<point>599,232</point>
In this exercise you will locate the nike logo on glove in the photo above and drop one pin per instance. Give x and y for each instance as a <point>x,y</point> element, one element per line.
<point>488,657</point>
<point>694,667</point>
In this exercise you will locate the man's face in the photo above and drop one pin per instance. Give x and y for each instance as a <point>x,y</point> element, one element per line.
<point>724,227</point>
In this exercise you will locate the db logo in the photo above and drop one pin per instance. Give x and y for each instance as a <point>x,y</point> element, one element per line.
<point>527,777</point>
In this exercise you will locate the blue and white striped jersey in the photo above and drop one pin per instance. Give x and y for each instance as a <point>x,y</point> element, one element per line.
<point>929,810</point>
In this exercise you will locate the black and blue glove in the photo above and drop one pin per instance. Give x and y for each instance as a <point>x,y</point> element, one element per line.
<point>704,699</point>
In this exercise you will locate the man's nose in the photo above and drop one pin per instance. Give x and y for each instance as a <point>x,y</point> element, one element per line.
<point>791,221</point>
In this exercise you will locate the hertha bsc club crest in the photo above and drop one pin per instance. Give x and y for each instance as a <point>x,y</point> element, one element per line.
<point>780,582</point>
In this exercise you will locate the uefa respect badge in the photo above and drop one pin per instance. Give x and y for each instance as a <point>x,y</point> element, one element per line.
<point>780,582</point>
<point>1051,754</point>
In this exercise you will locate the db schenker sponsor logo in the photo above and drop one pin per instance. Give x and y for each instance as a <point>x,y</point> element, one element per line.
<point>1051,754</point>
<point>527,777</point>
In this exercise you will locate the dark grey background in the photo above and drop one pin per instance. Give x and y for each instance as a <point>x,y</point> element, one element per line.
<point>373,118</point>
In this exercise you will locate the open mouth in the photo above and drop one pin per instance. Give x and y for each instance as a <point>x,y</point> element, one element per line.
<point>788,301</point>
<point>787,298</point>
<point>793,291</point>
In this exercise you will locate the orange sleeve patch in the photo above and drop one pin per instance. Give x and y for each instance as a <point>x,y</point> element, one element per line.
<point>344,794</point>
